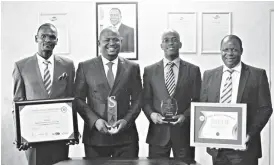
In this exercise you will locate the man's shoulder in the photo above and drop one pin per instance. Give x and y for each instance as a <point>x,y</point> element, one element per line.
<point>23,61</point>
<point>212,71</point>
<point>130,63</point>
<point>63,59</point>
<point>190,65</point>
<point>90,61</point>
<point>126,27</point>
<point>253,68</point>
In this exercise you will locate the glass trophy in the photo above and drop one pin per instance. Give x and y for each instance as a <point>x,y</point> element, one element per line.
<point>112,114</point>
<point>169,109</point>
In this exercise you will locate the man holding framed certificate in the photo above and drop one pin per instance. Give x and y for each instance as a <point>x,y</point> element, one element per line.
<point>43,76</point>
<point>169,87</point>
<point>236,82</point>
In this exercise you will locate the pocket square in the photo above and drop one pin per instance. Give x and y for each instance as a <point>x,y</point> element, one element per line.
<point>63,76</point>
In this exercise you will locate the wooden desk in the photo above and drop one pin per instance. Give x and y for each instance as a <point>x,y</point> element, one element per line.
<point>140,161</point>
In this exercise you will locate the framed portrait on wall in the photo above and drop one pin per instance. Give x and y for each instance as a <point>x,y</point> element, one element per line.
<point>60,21</point>
<point>215,26</point>
<point>123,17</point>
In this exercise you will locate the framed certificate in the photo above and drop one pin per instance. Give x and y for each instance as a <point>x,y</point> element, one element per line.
<point>39,121</point>
<point>218,125</point>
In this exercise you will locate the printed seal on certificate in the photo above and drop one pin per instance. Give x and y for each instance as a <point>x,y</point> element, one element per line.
<point>39,121</point>
<point>218,125</point>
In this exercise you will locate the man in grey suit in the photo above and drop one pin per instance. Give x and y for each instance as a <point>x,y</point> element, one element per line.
<point>99,79</point>
<point>44,76</point>
<point>237,82</point>
<point>170,78</point>
<point>126,32</point>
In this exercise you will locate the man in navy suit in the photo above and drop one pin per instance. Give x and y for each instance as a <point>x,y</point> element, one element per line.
<point>44,76</point>
<point>248,85</point>
<point>126,32</point>
<point>175,78</point>
<point>97,80</point>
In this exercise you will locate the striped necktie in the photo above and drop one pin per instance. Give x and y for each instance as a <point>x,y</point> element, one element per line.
<point>170,79</point>
<point>47,79</point>
<point>226,95</point>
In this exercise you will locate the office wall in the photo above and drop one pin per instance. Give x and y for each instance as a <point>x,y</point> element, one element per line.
<point>250,20</point>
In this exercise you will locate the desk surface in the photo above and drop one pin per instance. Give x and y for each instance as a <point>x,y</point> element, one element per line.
<point>140,161</point>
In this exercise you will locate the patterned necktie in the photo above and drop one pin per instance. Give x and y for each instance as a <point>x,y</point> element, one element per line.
<point>47,79</point>
<point>226,95</point>
<point>110,75</point>
<point>170,79</point>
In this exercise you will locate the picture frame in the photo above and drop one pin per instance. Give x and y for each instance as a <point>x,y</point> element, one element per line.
<point>122,16</point>
<point>61,22</point>
<point>215,26</point>
<point>185,23</point>
<point>218,125</point>
<point>46,120</point>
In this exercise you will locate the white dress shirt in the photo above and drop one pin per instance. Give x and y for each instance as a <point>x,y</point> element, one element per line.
<point>114,66</point>
<point>116,26</point>
<point>235,80</point>
<point>175,67</point>
<point>42,66</point>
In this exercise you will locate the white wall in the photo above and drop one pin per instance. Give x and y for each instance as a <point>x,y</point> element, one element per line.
<point>250,20</point>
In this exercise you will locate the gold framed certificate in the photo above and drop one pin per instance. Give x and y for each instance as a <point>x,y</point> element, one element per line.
<point>39,121</point>
<point>218,125</point>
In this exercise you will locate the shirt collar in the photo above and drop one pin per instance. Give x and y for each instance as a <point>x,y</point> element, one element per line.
<point>237,68</point>
<point>41,59</point>
<point>106,61</point>
<point>176,62</point>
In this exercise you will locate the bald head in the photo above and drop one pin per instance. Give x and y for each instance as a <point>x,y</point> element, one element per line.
<point>167,31</point>
<point>109,30</point>
<point>47,25</point>
<point>232,37</point>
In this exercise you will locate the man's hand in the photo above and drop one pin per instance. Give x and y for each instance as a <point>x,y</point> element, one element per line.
<point>120,125</point>
<point>101,125</point>
<point>157,118</point>
<point>24,146</point>
<point>246,142</point>
<point>180,119</point>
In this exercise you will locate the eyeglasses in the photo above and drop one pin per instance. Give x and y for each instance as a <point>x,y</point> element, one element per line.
<point>233,50</point>
<point>50,37</point>
<point>173,40</point>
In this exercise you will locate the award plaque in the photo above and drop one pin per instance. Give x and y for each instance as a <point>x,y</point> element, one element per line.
<point>39,121</point>
<point>112,114</point>
<point>218,125</point>
<point>169,109</point>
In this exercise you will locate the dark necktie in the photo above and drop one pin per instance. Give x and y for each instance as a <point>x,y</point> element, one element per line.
<point>47,79</point>
<point>170,79</point>
<point>110,75</point>
<point>226,95</point>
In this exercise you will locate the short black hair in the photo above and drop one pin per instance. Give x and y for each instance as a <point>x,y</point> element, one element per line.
<point>231,36</point>
<point>115,8</point>
<point>46,25</point>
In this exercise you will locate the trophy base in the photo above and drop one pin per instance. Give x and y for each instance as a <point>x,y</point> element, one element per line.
<point>169,119</point>
<point>112,130</point>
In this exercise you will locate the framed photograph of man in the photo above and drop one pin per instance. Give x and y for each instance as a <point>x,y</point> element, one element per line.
<point>123,17</point>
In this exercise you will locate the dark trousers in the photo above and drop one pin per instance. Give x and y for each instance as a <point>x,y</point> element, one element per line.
<point>47,154</point>
<point>223,159</point>
<point>130,150</point>
<point>180,151</point>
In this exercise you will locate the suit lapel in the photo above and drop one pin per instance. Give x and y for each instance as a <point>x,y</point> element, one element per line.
<point>119,74</point>
<point>216,84</point>
<point>182,75</point>
<point>242,83</point>
<point>160,79</point>
<point>58,70</point>
<point>34,70</point>
<point>101,75</point>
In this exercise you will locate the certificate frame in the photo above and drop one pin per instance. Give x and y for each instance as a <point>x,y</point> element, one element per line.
<point>61,22</point>
<point>184,40</point>
<point>199,120</point>
<point>128,28</point>
<point>210,35</point>
<point>26,105</point>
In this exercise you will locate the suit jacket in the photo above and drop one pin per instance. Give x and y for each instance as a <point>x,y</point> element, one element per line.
<point>187,90</point>
<point>254,91</point>
<point>91,84</point>
<point>128,38</point>
<point>28,85</point>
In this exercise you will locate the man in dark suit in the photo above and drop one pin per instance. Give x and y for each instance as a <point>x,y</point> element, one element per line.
<point>97,80</point>
<point>170,78</point>
<point>126,32</point>
<point>250,86</point>
<point>44,76</point>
